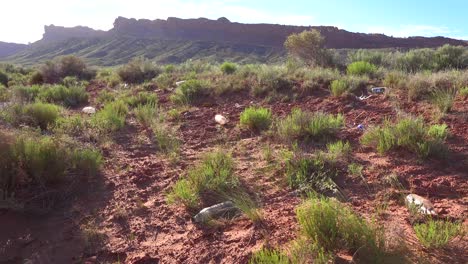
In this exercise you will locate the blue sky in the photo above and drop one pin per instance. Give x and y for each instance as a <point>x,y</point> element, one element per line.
<point>396,17</point>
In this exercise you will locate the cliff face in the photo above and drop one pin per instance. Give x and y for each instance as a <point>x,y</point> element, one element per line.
<point>222,30</point>
<point>57,33</point>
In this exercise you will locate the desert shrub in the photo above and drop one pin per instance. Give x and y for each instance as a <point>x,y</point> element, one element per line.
<point>86,160</point>
<point>464,92</point>
<point>36,78</point>
<point>443,99</point>
<point>408,133</point>
<point>416,60</point>
<point>271,79</point>
<point>164,80</point>
<point>26,93</point>
<point>395,79</point>
<point>269,256</point>
<point>338,87</point>
<point>361,68</point>
<point>73,125</point>
<point>166,139</point>
<point>5,94</point>
<point>228,67</point>
<point>105,96</point>
<point>110,77</point>
<point>3,78</point>
<point>451,57</point>
<point>308,46</point>
<point>437,233</point>
<point>37,114</point>
<point>308,125</point>
<point>146,114</point>
<point>111,117</point>
<point>256,118</point>
<point>142,98</point>
<point>213,176</point>
<point>337,151</point>
<point>334,226</point>
<point>190,91</point>
<point>138,70</point>
<point>68,96</point>
<point>418,85</point>
<point>371,56</point>
<point>61,67</point>
<point>316,78</point>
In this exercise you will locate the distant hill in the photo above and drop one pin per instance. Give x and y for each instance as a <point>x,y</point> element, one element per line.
<point>176,40</point>
<point>7,49</point>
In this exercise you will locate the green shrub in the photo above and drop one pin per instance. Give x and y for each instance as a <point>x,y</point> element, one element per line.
<point>5,94</point>
<point>443,99</point>
<point>105,97</point>
<point>408,133</point>
<point>464,92</point>
<point>361,68</point>
<point>61,67</point>
<point>190,91</point>
<point>164,81</point>
<point>111,117</point>
<point>308,125</point>
<point>316,78</point>
<point>38,114</point>
<point>228,67</point>
<point>212,177</point>
<point>333,226</point>
<point>269,256</point>
<point>73,125</point>
<point>3,78</point>
<point>256,118</point>
<point>395,79</point>
<point>146,114</point>
<point>68,96</point>
<point>138,70</point>
<point>271,79</point>
<point>166,139</point>
<point>437,233</point>
<point>26,93</point>
<point>338,151</point>
<point>142,98</point>
<point>86,160</point>
<point>338,87</point>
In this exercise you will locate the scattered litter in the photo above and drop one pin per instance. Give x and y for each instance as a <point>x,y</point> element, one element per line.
<point>378,90</point>
<point>220,119</point>
<point>424,205</point>
<point>216,211</point>
<point>363,97</point>
<point>179,83</point>
<point>89,110</point>
<point>237,105</point>
<point>360,127</point>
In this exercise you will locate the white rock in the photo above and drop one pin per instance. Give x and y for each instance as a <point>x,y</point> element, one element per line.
<point>237,105</point>
<point>89,110</point>
<point>216,211</point>
<point>221,119</point>
<point>179,83</point>
<point>424,205</point>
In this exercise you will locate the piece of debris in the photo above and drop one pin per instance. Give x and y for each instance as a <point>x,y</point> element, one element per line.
<point>424,205</point>
<point>179,83</point>
<point>221,119</point>
<point>237,105</point>
<point>89,110</point>
<point>378,90</point>
<point>216,211</point>
<point>360,127</point>
<point>363,97</point>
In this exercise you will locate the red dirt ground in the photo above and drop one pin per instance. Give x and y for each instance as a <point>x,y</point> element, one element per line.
<point>127,203</point>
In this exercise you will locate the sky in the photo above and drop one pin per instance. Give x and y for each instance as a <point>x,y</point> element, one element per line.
<point>23,20</point>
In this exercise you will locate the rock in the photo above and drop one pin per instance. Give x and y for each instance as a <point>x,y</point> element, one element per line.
<point>179,83</point>
<point>237,105</point>
<point>89,110</point>
<point>424,205</point>
<point>378,90</point>
<point>221,119</point>
<point>216,211</point>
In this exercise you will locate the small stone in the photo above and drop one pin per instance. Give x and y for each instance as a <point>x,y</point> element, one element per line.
<point>221,119</point>
<point>89,110</point>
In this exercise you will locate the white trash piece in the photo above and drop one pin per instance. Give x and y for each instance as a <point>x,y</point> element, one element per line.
<point>424,205</point>
<point>216,211</point>
<point>221,119</point>
<point>179,83</point>
<point>89,110</point>
<point>236,105</point>
<point>378,90</point>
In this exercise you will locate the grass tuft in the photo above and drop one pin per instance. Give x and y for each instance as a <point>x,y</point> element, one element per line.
<point>256,119</point>
<point>437,233</point>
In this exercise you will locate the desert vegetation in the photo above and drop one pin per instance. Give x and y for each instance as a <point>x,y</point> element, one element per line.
<point>315,161</point>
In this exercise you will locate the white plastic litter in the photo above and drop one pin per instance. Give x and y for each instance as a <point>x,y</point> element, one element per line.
<point>89,110</point>
<point>221,119</point>
<point>424,205</point>
<point>236,105</point>
<point>216,211</point>
<point>179,83</point>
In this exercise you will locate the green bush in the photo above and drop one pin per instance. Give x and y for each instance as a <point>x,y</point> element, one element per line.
<point>214,176</point>
<point>26,93</point>
<point>333,226</point>
<point>142,98</point>
<point>190,91</point>
<point>5,94</point>
<point>361,68</point>
<point>138,70</point>
<point>338,87</point>
<point>39,114</point>
<point>338,151</point>
<point>146,114</point>
<point>73,125</point>
<point>256,118</point>
<point>308,125</point>
<point>270,79</point>
<point>3,78</point>
<point>68,96</point>
<point>164,81</point>
<point>86,160</point>
<point>443,99</point>
<point>269,256</point>
<point>111,117</point>
<point>437,233</point>
<point>408,133</point>
<point>228,67</point>
<point>395,79</point>
<point>316,78</point>
<point>61,67</point>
